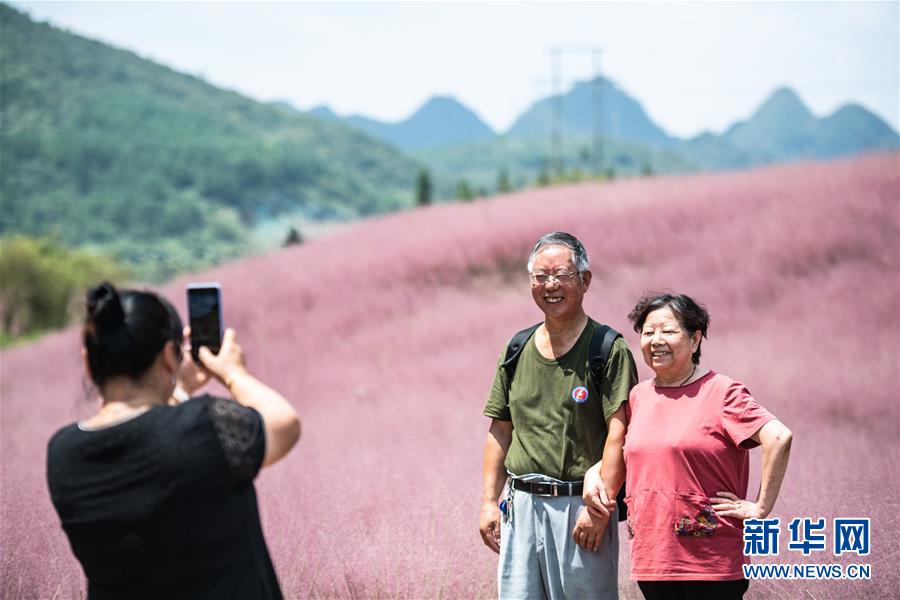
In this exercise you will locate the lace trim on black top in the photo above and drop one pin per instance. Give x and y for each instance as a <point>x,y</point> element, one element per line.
<point>240,432</point>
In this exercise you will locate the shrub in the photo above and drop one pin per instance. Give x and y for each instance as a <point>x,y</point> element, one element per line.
<point>41,280</point>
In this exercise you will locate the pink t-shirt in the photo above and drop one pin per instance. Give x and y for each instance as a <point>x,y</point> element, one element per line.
<point>683,445</point>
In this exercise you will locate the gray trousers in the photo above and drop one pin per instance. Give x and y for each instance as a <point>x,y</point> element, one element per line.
<point>539,558</point>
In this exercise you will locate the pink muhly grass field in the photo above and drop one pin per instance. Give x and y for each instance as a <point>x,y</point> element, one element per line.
<point>386,335</point>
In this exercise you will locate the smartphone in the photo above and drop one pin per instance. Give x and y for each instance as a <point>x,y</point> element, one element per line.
<point>204,302</point>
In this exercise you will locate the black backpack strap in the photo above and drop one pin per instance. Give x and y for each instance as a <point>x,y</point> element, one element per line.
<point>601,347</point>
<point>514,349</point>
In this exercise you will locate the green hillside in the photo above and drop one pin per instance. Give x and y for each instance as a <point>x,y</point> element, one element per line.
<point>526,158</point>
<point>101,148</point>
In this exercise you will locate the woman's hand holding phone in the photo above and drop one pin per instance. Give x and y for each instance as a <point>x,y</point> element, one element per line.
<point>191,376</point>
<point>224,366</point>
<point>228,363</point>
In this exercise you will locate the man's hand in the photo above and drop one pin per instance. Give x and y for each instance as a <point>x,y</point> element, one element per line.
<point>499,438</point>
<point>589,529</point>
<point>489,525</point>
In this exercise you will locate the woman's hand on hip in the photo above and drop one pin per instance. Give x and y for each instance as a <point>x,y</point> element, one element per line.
<point>727,504</point>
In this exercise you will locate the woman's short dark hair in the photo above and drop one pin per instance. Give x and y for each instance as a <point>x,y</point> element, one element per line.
<point>691,315</point>
<point>125,331</point>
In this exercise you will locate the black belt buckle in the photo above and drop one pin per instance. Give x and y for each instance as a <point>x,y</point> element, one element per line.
<point>548,489</point>
<point>543,489</point>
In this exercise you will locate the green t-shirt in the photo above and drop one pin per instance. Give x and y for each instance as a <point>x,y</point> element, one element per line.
<point>558,414</point>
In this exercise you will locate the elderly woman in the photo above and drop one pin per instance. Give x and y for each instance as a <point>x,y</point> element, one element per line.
<point>688,432</point>
<point>156,495</point>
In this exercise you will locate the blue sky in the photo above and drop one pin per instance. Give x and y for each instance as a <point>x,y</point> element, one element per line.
<point>694,66</point>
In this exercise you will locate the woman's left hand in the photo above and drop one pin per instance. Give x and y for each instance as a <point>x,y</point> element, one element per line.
<point>594,496</point>
<point>727,504</point>
<point>191,376</point>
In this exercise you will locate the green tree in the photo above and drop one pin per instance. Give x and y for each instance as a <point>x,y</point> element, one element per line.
<point>293,237</point>
<point>575,175</point>
<point>42,281</point>
<point>423,187</point>
<point>464,191</point>
<point>503,185</point>
<point>584,155</point>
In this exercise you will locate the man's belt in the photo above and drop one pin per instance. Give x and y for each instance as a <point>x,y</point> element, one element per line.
<point>549,489</point>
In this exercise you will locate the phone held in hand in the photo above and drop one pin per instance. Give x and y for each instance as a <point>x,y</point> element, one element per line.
<point>204,302</point>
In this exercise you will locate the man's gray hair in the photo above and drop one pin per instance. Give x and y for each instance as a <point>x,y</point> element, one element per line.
<point>561,238</point>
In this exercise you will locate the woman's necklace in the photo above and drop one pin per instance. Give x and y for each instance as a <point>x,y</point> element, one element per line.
<point>693,370</point>
<point>682,381</point>
<point>110,415</point>
<point>116,411</point>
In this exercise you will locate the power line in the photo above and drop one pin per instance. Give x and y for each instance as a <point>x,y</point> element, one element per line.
<point>556,129</point>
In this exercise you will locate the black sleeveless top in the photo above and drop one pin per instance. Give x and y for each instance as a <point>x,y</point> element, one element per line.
<point>163,505</point>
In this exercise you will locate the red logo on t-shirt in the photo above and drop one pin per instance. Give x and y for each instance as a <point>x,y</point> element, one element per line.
<point>580,394</point>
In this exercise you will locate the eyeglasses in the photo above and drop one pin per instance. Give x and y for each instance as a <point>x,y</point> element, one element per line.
<point>560,278</point>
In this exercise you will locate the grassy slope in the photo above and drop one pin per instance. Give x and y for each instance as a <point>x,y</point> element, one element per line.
<point>386,338</point>
<point>102,147</point>
<point>524,157</point>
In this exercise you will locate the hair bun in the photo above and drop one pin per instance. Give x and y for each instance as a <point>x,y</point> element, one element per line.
<point>104,308</point>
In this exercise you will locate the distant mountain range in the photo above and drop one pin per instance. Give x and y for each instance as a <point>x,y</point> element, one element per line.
<point>440,121</point>
<point>457,144</point>
<point>783,129</point>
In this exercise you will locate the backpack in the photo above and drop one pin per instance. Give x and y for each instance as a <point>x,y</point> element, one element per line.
<point>598,355</point>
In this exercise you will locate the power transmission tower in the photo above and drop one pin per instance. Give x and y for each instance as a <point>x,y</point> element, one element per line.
<point>557,110</point>
<point>596,113</point>
<point>556,129</point>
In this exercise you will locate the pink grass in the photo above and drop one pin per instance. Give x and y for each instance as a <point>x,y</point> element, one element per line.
<point>385,337</point>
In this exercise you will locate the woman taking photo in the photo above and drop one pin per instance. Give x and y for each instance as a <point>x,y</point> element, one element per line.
<point>156,493</point>
<point>685,450</point>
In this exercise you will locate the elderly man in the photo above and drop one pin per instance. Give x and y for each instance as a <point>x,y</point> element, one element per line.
<point>549,423</point>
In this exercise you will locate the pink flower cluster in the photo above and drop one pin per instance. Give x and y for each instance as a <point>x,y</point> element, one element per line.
<point>386,337</point>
